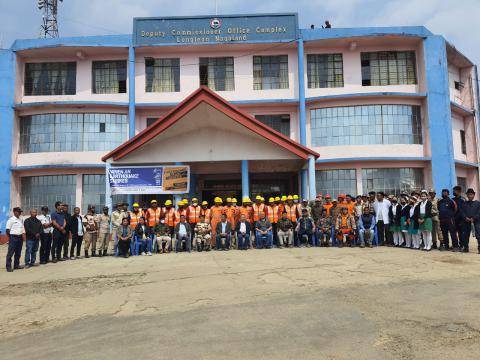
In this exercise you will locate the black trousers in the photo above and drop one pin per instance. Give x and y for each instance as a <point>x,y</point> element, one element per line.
<point>58,242</point>
<point>45,247</point>
<point>463,230</point>
<point>383,233</point>
<point>275,235</point>
<point>15,243</point>
<point>448,227</point>
<point>66,241</point>
<point>76,243</point>
<point>123,247</point>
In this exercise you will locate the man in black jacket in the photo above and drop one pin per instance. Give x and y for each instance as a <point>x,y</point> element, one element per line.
<point>75,226</point>
<point>460,225</point>
<point>33,229</point>
<point>447,208</point>
<point>223,231</point>
<point>66,242</point>
<point>470,213</point>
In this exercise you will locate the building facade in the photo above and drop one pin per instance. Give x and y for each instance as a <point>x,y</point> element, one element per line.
<point>352,110</point>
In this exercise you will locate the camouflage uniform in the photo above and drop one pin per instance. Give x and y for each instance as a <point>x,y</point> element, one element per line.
<point>162,235</point>
<point>202,234</point>
<point>436,232</point>
<point>324,230</point>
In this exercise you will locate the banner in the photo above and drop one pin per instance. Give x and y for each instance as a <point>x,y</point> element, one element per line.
<point>149,180</point>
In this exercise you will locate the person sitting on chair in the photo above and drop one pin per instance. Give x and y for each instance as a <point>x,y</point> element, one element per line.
<point>223,233</point>
<point>182,234</point>
<point>345,228</point>
<point>366,226</point>
<point>263,233</point>
<point>203,234</point>
<point>162,237</point>
<point>305,229</point>
<point>324,229</point>
<point>143,242</point>
<point>124,238</point>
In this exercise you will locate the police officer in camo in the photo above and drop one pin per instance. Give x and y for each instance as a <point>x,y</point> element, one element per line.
<point>202,234</point>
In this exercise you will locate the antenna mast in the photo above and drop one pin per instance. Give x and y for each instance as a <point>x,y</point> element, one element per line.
<point>49,27</point>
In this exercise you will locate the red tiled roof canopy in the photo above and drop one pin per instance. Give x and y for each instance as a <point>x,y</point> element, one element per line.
<point>204,94</point>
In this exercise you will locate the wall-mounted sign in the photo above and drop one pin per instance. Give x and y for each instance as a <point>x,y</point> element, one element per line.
<point>149,180</point>
<point>215,29</point>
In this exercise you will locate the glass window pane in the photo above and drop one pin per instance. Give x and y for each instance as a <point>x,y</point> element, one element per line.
<point>388,68</point>
<point>55,78</point>
<point>335,182</point>
<point>109,77</point>
<point>162,75</point>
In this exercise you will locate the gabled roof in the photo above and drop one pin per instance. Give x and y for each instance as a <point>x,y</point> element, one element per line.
<point>205,95</point>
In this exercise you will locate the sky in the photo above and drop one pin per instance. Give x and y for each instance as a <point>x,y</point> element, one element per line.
<point>457,20</point>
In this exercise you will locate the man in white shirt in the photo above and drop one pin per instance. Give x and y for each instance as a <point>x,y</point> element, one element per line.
<point>381,207</point>
<point>182,233</point>
<point>16,235</point>
<point>46,235</point>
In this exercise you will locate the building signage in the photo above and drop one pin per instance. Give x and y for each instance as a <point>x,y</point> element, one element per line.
<point>149,180</point>
<point>215,29</point>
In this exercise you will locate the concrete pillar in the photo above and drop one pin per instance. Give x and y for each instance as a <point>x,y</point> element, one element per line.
<point>79,193</point>
<point>303,183</point>
<point>312,184</point>
<point>301,94</point>
<point>245,179</point>
<point>108,192</point>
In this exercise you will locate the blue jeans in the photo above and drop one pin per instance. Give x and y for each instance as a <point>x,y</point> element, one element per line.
<point>188,243</point>
<point>219,242</point>
<point>15,244</point>
<point>301,235</point>
<point>31,251</point>
<point>263,240</point>
<point>143,245</point>
<point>243,241</point>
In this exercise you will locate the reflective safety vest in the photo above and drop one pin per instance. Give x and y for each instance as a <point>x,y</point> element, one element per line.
<point>153,216</point>
<point>194,214</point>
<point>247,211</point>
<point>272,213</point>
<point>291,212</point>
<point>169,216</point>
<point>327,207</point>
<point>178,213</point>
<point>281,207</point>
<point>257,210</point>
<point>206,213</point>
<point>231,212</point>
<point>135,218</point>
<point>216,216</point>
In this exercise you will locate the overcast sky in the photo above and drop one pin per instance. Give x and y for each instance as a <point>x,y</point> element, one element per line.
<point>457,20</point>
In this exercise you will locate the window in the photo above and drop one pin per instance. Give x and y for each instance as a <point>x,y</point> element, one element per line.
<point>162,75</point>
<point>324,70</point>
<point>463,142</point>
<point>94,193</point>
<point>38,191</point>
<point>57,78</point>
<point>388,68</point>
<point>458,85</point>
<point>336,182</point>
<point>392,181</point>
<point>72,132</point>
<point>217,73</point>
<point>462,182</point>
<point>366,124</point>
<point>109,77</point>
<point>280,123</point>
<point>270,72</point>
<point>150,121</point>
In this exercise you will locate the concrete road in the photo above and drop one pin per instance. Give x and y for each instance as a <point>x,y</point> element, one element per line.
<point>382,303</point>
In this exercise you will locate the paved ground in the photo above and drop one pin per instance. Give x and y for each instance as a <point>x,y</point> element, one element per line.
<point>381,303</point>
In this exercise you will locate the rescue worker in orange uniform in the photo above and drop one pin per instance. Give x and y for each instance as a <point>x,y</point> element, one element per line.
<point>258,208</point>
<point>298,204</point>
<point>134,217</point>
<point>168,214</point>
<point>273,215</point>
<point>281,204</point>
<point>153,214</point>
<point>231,213</point>
<point>292,214</point>
<point>328,204</point>
<point>205,211</point>
<point>182,210</point>
<point>193,215</point>
<point>216,212</point>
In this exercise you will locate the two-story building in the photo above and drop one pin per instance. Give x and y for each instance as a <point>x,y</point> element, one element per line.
<point>252,103</point>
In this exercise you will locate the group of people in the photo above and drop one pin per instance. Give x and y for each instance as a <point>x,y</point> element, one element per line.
<point>418,220</point>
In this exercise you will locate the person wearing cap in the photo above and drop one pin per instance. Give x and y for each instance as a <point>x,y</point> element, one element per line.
<point>134,217</point>
<point>90,223</point>
<point>470,212</point>
<point>305,229</point>
<point>183,234</point>
<point>258,208</point>
<point>143,241</point>
<point>404,215</point>
<point>16,235</point>
<point>292,214</point>
<point>181,210</point>
<point>162,237</point>
<point>247,211</point>
<point>216,212</point>
<point>243,230</point>
<point>463,229</point>
<point>381,207</point>
<point>203,234</point>
<point>447,208</point>
<point>395,215</point>
<point>59,223</point>
<point>45,235</point>
<point>304,205</point>
<point>193,215</point>
<point>205,211</point>
<point>316,209</point>
<point>345,227</point>
<point>281,204</point>
<point>424,214</point>
<point>66,243</point>
<point>263,233</point>
<point>413,224</point>
<point>350,204</point>
<point>436,231</point>
<point>117,216</point>
<point>77,230</point>
<point>33,229</point>
<point>272,216</point>
<point>358,207</point>
<point>104,221</point>
<point>231,213</point>
<point>153,214</point>
<point>328,204</point>
<point>324,229</point>
<point>366,228</point>
<point>168,214</point>
<point>236,213</point>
